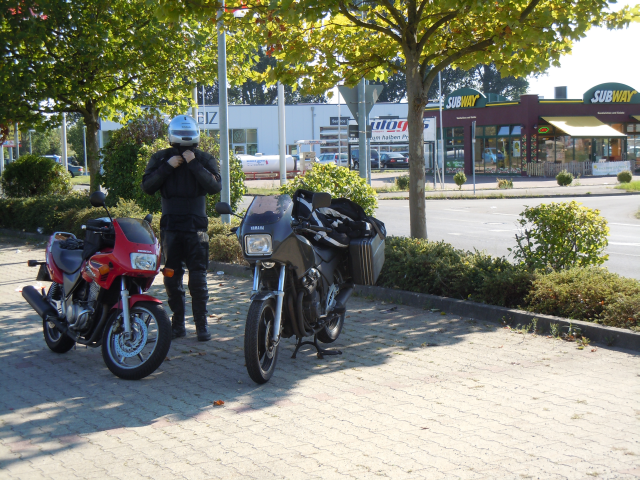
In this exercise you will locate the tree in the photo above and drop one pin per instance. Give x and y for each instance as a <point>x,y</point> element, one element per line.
<point>101,59</point>
<point>75,139</point>
<point>253,92</point>
<point>318,43</point>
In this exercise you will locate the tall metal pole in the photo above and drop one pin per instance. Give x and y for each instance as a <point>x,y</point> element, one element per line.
<point>362,131</point>
<point>443,149</point>
<point>84,146</point>
<point>194,98</point>
<point>225,194</point>
<point>339,130</point>
<point>30,145</point>
<point>204,113</point>
<point>64,142</point>
<point>281,135</point>
<point>16,139</point>
<point>473,153</point>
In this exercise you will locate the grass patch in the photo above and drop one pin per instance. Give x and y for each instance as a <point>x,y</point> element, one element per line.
<point>630,187</point>
<point>80,180</point>
<point>262,191</point>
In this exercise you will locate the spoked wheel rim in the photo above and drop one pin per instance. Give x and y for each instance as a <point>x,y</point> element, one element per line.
<point>130,353</point>
<point>266,349</point>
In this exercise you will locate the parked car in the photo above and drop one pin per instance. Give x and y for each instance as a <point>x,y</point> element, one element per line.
<point>355,159</point>
<point>393,160</point>
<point>73,169</point>
<point>340,159</point>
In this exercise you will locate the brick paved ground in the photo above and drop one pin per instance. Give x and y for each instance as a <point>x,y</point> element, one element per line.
<point>415,395</point>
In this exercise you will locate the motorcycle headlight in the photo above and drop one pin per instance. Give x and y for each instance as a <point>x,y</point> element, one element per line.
<point>143,261</point>
<point>258,244</point>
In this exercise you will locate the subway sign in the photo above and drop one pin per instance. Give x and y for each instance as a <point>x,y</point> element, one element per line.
<point>465,98</point>
<point>611,93</point>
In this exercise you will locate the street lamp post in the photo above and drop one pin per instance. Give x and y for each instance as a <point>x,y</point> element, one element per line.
<point>225,194</point>
<point>30,148</point>
<point>64,142</point>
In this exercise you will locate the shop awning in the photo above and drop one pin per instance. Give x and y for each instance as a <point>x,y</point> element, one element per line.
<point>637,117</point>
<point>583,127</point>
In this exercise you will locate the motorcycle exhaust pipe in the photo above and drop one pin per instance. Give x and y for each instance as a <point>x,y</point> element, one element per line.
<point>341,300</point>
<point>38,303</point>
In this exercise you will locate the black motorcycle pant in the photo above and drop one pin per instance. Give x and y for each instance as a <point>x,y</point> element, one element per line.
<point>192,249</point>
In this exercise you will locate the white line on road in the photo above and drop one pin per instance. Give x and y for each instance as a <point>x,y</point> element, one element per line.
<point>454,234</point>
<point>508,214</point>
<point>505,231</point>
<point>625,244</point>
<point>625,254</point>
<point>624,224</point>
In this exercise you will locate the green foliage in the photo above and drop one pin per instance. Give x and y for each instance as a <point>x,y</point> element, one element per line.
<point>224,246</point>
<point>32,175</point>
<point>590,294</point>
<point>340,182</point>
<point>119,171</point>
<point>460,178</point>
<point>505,183</point>
<point>564,178</point>
<point>633,186</point>
<point>207,144</point>
<point>46,142</point>
<point>438,268</point>
<point>625,176</point>
<point>402,182</point>
<point>75,139</point>
<point>561,235</point>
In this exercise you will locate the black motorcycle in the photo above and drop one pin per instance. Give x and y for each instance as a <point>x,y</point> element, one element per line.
<point>301,280</point>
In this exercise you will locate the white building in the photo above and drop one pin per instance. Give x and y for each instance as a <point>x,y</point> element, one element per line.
<point>254,128</point>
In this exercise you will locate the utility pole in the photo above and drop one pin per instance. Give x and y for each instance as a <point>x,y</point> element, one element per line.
<point>194,97</point>
<point>225,194</point>
<point>473,153</point>
<point>64,142</point>
<point>442,149</point>
<point>281,135</point>
<point>30,147</point>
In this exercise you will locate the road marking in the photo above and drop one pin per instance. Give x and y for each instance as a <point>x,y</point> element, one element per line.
<point>624,224</point>
<point>625,254</point>
<point>454,210</point>
<point>501,230</point>
<point>625,244</point>
<point>508,214</point>
<point>454,234</point>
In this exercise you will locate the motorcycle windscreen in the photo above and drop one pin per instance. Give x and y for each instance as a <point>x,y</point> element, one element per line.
<point>137,230</point>
<point>267,210</point>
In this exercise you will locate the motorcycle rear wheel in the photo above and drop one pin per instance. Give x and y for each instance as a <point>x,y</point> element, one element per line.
<point>331,332</point>
<point>151,330</point>
<point>57,341</point>
<point>259,353</point>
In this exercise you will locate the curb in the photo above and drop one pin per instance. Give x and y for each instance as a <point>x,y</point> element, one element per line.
<point>504,197</point>
<point>609,336</point>
<point>612,336</point>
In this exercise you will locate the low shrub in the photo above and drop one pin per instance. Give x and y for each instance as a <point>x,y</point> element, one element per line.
<point>460,178</point>
<point>591,294</point>
<point>625,176</point>
<point>564,178</point>
<point>402,182</point>
<point>561,235</point>
<point>505,183</point>
<point>438,268</point>
<point>44,214</point>
<point>339,182</point>
<point>31,176</point>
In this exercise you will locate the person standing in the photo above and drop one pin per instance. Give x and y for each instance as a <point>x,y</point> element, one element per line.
<point>184,175</point>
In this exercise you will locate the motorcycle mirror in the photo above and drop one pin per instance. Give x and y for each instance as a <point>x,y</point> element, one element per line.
<point>148,218</point>
<point>97,199</point>
<point>223,208</point>
<point>320,200</point>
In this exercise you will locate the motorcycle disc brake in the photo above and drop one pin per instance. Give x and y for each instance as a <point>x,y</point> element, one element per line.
<point>134,345</point>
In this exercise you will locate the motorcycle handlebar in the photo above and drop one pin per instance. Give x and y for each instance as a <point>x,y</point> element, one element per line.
<point>96,229</point>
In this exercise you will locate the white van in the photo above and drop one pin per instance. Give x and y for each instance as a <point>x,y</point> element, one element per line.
<point>340,159</point>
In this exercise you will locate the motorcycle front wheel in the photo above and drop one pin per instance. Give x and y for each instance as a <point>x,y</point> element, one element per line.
<point>140,355</point>
<point>259,352</point>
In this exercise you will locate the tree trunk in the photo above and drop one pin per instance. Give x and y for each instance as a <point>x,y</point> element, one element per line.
<point>93,149</point>
<point>416,97</point>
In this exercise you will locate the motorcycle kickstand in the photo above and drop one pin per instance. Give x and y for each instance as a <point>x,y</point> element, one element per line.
<point>321,351</point>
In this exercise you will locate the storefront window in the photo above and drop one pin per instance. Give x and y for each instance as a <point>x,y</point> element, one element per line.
<point>503,130</point>
<point>582,149</point>
<point>546,149</point>
<point>479,166</point>
<point>490,131</point>
<point>564,149</point>
<point>633,147</point>
<point>489,155</point>
<point>517,130</point>
<point>243,141</point>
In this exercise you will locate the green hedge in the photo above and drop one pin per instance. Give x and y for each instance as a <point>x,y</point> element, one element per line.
<point>68,213</point>
<point>591,294</point>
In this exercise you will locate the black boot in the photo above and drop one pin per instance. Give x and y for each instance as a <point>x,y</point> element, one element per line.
<point>177,327</point>
<point>201,329</point>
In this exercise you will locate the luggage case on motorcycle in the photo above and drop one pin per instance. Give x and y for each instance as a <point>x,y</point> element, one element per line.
<point>366,257</point>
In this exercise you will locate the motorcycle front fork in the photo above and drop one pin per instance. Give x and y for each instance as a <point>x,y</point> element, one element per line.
<point>279,298</point>
<point>124,296</point>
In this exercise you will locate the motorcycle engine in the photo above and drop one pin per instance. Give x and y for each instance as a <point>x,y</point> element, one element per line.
<point>80,311</point>
<point>311,305</point>
<point>310,280</point>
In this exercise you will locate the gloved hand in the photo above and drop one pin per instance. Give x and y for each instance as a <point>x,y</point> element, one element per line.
<point>188,155</point>
<point>176,161</point>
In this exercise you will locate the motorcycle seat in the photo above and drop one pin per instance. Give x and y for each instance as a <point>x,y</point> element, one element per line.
<point>68,261</point>
<point>326,253</point>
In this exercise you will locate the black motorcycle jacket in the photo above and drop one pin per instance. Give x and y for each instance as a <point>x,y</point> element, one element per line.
<point>183,189</point>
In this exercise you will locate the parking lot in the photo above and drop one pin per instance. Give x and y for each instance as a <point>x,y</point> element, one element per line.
<point>415,394</point>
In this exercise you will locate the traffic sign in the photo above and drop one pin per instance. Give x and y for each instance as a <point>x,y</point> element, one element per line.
<point>350,95</point>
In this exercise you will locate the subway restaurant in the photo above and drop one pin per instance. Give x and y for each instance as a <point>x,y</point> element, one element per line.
<point>598,134</point>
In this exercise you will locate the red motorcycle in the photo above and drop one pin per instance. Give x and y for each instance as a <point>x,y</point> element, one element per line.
<point>96,296</point>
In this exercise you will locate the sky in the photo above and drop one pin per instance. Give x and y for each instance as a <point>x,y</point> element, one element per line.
<point>602,56</point>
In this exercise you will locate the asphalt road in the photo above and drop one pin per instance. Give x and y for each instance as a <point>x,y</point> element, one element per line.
<point>490,224</point>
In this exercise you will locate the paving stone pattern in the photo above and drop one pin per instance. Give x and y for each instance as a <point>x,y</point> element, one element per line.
<point>416,394</point>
